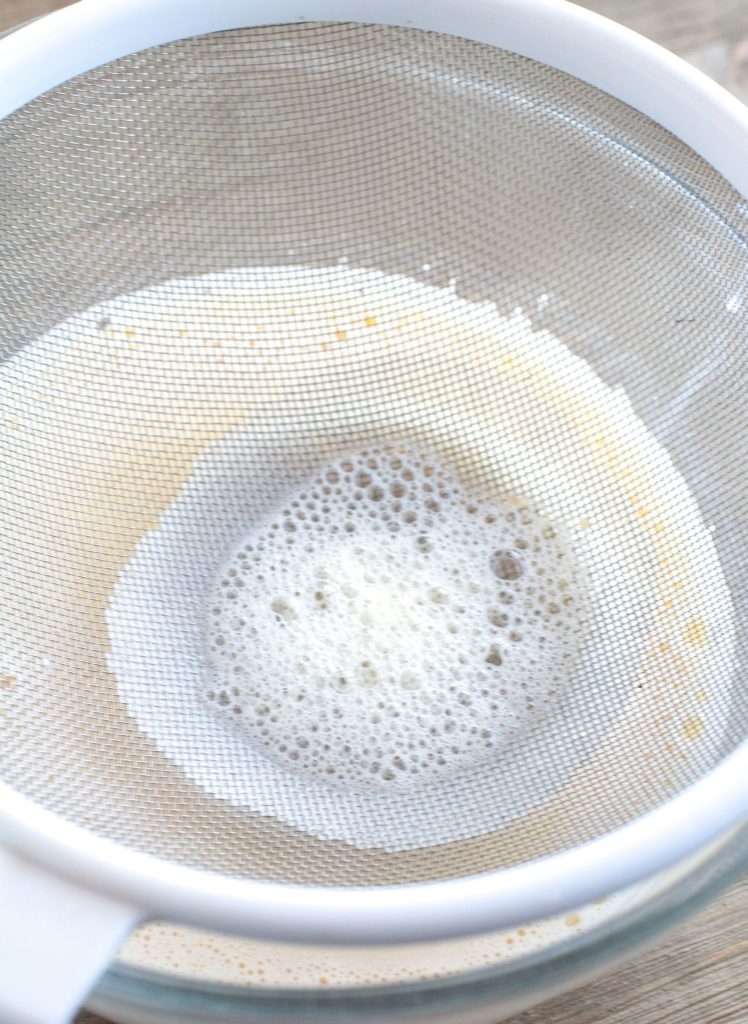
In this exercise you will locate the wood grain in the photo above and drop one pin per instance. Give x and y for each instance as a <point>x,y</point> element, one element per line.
<point>15,12</point>
<point>681,25</point>
<point>699,975</point>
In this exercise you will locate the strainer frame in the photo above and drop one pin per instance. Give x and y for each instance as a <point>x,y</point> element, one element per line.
<point>614,59</point>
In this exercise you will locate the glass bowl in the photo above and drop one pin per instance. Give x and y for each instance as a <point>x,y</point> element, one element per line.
<point>132,995</point>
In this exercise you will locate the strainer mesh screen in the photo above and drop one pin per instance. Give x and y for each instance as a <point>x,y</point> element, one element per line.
<point>408,153</point>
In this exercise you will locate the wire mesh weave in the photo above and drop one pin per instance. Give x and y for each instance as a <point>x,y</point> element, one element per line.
<point>404,151</point>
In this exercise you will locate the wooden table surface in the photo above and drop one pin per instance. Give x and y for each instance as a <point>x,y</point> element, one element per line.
<point>699,974</point>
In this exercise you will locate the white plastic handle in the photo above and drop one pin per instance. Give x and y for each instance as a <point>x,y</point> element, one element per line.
<point>56,938</point>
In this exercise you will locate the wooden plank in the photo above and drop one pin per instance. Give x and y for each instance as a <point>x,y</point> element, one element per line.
<point>15,12</point>
<point>681,25</point>
<point>697,976</point>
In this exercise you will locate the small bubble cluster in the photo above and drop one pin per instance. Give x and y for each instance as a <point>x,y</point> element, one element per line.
<point>387,625</point>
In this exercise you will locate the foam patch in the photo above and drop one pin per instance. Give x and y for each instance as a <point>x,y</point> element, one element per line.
<point>387,627</point>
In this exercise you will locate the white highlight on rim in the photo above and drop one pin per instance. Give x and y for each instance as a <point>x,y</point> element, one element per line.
<point>408,913</point>
<point>595,50</point>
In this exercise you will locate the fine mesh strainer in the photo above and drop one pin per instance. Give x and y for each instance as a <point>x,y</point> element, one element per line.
<point>514,156</point>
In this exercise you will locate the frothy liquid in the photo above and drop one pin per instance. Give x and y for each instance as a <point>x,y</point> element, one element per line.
<point>386,626</point>
<point>235,961</point>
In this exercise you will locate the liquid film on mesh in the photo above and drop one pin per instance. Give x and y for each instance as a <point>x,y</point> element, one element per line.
<point>402,609</point>
<point>386,626</point>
